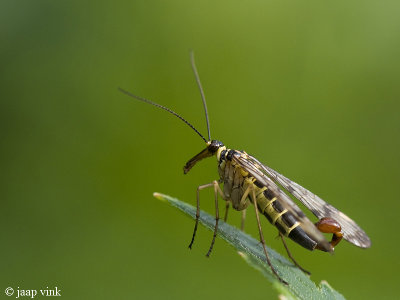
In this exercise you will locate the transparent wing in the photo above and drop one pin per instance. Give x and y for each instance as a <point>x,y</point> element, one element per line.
<point>351,231</point>
<point>255,169</point>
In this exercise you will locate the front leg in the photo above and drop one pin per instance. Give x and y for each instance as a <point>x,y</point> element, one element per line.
<point>217,190</point>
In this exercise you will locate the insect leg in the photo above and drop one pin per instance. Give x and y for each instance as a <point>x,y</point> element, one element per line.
<point>243,219</point>
<point>216,190</point>
<point>243,203</point>
<point>290,255</point>
<point>226,211</point>
<point>253,195</point>
<point>329,225</point>
<point>199,188</point>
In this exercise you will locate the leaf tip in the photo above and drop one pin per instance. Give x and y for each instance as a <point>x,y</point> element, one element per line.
<point>159,196</point>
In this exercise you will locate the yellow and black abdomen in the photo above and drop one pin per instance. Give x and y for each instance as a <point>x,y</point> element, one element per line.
<point>269,205</point>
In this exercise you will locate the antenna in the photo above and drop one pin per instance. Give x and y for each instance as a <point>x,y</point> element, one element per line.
<point>196,75</point>
<point>162,107</point>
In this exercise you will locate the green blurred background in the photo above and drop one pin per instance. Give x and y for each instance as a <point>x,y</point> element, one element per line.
<point>311,88</point>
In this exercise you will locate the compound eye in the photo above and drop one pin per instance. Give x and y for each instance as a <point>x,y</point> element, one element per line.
<point>214,146</point>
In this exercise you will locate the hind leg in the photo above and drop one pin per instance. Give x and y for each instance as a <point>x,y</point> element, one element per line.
<point>253,196</point>
<point>290,255</point>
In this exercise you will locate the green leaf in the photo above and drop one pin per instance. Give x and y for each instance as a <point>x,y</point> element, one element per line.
<point>300,285</point>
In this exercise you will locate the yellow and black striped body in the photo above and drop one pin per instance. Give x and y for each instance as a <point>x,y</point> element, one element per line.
<point>237,180</point>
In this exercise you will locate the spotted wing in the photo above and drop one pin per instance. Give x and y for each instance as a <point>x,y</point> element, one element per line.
<point>256,169</point>
<point>351,231</point>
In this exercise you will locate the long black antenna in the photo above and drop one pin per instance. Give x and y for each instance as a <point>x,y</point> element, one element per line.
<point>196,75</point>
<point>162,107</point>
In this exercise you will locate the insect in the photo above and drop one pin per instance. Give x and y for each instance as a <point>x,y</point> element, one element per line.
<point>247,181</point>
